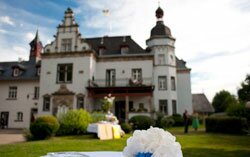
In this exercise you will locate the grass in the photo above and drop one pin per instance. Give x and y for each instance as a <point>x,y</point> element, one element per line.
<point>194,144</point>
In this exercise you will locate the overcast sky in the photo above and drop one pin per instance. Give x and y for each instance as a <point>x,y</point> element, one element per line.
<point>213,36</point>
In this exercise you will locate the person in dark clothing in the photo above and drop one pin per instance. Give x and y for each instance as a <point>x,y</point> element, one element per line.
<point>186,121</point>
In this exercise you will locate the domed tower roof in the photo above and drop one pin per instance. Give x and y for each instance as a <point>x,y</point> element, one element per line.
<point>160,30</point>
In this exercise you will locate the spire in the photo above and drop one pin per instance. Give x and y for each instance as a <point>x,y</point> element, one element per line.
<point>159,13</point>
<point>36,47</point>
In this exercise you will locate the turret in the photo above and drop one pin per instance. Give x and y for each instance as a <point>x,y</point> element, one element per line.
<point>36,47</point>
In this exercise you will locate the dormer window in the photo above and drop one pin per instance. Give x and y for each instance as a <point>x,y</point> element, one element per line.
<point>38,71</point>
<point>102,50</point>
<point>16,72</point>
<point>1,72</point>
<point>124,49</point>
<point>66,45</point>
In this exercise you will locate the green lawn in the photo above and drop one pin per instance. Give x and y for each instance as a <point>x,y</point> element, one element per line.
<point>194,144</point>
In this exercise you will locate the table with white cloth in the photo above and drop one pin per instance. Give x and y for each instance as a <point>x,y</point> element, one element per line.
<point>85,154</point>
<point>104,131</point>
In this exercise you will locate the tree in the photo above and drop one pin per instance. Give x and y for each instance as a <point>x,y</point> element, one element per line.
<point>244,91</point>
<point>222,100</point>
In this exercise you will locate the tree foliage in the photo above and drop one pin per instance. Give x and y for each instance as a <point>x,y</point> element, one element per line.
<point>244,91</point>
<point>222,100</point>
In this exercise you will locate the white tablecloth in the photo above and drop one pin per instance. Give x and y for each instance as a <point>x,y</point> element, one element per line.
<point>84,154</point>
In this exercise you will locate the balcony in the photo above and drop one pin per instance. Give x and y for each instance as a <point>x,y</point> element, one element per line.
<point>120,87</point>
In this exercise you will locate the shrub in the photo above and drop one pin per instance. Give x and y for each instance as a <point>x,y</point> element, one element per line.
<point>178,120</point>
<point>127,128</point>
<point>44,127</point>
<point>74,122</point>
<point>232,125</point>
<point>166,122</point>
<point>238,110</point>
<point>141,122</point>
<point>159,117</point>
<point>98,116</point>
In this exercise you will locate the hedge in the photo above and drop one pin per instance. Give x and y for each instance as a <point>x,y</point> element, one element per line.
<point>141,122</point>
<point>44,127</point>
<point>74,122</point>
<point>230,125</point>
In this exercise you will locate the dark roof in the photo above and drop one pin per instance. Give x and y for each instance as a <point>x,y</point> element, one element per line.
<point>160,30</point>
<point>113,45</point>
<point>36,40</point>
<point>28,71</point>
<point>181,64</point>
<point>201,103</point>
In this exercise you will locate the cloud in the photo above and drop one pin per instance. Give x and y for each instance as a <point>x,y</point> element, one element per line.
<point>7,20</point>
<point>212,36</point>
<point>30,36</point>
<point>3,31</point>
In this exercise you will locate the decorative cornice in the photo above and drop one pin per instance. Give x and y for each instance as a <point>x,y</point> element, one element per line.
<point>183,70</point>
<point>68,54</point>
<point>125,58</point>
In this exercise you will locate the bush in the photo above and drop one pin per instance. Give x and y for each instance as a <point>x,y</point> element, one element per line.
<point>167,122</point>
<point>44,127</point>
<point>178,120</point>
<point>74,122</point>
<point>231,125</point>
<point>141,122</point>
<point>98,116</point>
<point>239,110</point>
<point>162,121</point>
<point>159,117</point>
<point>127,128</point>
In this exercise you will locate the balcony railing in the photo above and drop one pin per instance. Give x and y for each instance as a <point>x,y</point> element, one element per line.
<point>120,82</point>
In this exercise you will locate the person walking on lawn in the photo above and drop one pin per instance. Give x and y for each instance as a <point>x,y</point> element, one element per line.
<point>186,121</point>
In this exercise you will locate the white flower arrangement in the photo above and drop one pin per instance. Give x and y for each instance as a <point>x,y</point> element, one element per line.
<point>154,141</point>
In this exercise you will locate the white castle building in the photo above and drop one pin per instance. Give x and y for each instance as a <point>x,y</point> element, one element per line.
<point>76,72</point>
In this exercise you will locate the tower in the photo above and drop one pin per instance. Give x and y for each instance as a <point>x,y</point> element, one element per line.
<point>161,44</point>
<point>35,49</point>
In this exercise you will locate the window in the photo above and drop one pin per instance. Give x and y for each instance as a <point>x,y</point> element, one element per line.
<point>1,72</point>
<point>15,72</point>
<point>124,50</point>
<point>174,106</point>
<point>64,73</point>
<point>163,105</point>
<point>137,74</point>
<point>66,45</point>
<point>80,102</point>
<point>102,50</point>
<point>162,82</point>
<point>36,92</point>
<point>131,106</point>
<point>46,103</point>
<point>19,116</point>
<point>173,83</point>
<point>12,92</point>
<point>161,59</point>
<point>38,71</point>
<point>110,77</point>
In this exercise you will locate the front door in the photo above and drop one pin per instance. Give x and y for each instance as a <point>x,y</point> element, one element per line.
<point>33,114</point>
<point>4,119</point>
<point>120,110</point>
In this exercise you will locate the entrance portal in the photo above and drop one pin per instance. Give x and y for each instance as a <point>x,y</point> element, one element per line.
<point>4,119</point>
<point>120,110</point>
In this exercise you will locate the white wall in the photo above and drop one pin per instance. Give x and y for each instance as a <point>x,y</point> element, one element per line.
<point>184,93</point>
<point>126,67</point>
<point>23,103</point>
<point>49,85</point>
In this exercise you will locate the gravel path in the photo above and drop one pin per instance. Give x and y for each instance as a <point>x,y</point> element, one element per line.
<point>8,136</point>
